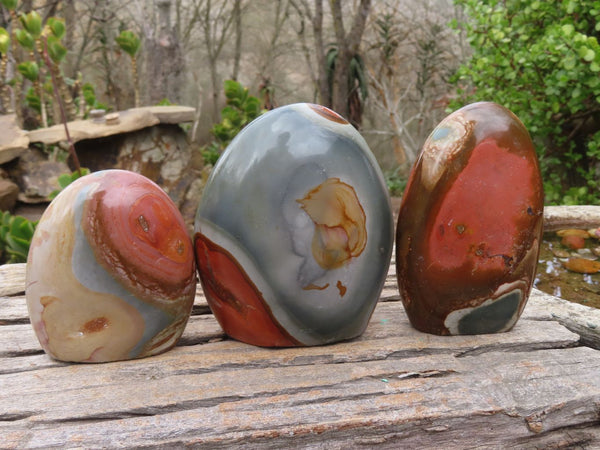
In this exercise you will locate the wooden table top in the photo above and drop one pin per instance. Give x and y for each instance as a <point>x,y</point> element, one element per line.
<point>535,386</point>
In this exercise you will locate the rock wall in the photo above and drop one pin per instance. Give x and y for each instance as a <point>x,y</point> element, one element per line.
<point>147,140</point>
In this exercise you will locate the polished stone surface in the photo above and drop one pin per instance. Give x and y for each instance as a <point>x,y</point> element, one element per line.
<point>470,224</point>
<point>111,272</point>
<point>294,232</point>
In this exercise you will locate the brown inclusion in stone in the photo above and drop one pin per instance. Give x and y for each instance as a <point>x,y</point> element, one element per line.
<point>340,223</point>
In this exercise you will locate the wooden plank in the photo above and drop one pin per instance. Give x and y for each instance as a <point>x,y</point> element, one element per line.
<point>24,363</point>
<point>579,216</point>
<point>13,310</point>
<point>583,320</point>
<point>420,400</point>
<point>20,340</point>
<point>12,279</point>
<point>389,319</point>
<point>580,319</point>
<point>534,386</point>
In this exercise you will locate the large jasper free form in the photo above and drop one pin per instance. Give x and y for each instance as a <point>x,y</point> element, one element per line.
<point>110,272</point>
<point>294,232</point>
<point>470,224</point>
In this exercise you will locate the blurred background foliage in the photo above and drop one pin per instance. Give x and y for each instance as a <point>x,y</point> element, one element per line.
<point>393,68</point>
<point>541,59</point>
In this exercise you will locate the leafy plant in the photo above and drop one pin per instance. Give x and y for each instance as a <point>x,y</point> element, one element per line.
<point>395,183</point>
<point>4,41</point>
<point>241,109</point>
<point>165,102</point>
<point>66,179</point>
<point>36,65</point>
<point>9,4</point>
<point>15,237</point>
<point>542,61</point>
<point>129,42</point>
<point>32,24</point>
<point>33,100</point>
<point>89,97</point>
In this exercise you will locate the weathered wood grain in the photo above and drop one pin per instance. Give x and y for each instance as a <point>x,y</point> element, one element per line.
<point>12,279</point>
<point>19,340</point>
<point>394,387</point>
<point>580,216</point>
<point>507,397</point>
<point>580,319</point>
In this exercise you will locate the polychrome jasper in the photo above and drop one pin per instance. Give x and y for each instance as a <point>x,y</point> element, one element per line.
<point>110,272</point>
<point>470,224</point>
<point>294,232</point>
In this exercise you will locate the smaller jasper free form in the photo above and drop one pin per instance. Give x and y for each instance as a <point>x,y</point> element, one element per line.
<point>470,224</point>
<point>294,233</point>
<point>110,272</point>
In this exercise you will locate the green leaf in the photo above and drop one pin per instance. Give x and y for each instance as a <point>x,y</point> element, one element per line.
<point>33,100</point>
<point>10,4</point>
<point>16,233</point>
<point>32,22</point>
<point>587,53</point>
<point>25,39</point>
<point>241,108</point>
<point>4,41</point>
<point>569,63</point>
<point>57,27</point>
<point>233,90</point>
<point>89,94</point>
<point>56,50</point>
<point>568,29</point>
<point>252,107</point>
<point>65,179</point>
<point>29,70</point>
<point>129,42</point>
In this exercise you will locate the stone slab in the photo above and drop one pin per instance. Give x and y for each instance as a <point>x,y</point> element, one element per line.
<point>13,140</point>
<point>87,129</point>
<point>171,114</point>
<point>130,120</point>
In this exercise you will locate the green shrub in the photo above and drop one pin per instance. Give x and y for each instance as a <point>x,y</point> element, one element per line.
<point>395,183</point>
<point>541,59</point>
<point>241,109</point>
<point>66,179</point>
<point>15,237</point>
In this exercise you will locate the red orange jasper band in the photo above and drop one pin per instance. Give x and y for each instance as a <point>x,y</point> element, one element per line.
<point>235,300</point>
<point>134,238</point>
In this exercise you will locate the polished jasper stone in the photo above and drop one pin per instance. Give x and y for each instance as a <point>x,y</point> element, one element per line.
<point>470,224</point>
<point>294,232</point>
<point>110,272</point>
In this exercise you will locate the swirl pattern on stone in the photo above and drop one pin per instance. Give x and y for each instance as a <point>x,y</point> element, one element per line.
<point>294,233</point>
<point>470,224</point>
<point>111,270</point>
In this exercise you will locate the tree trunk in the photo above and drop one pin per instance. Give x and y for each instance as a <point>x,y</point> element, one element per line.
<point>348,45</point>
<point>165,62</point>
<point>317,21</point>
<point>237,18</point>
<point>69,13</point>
